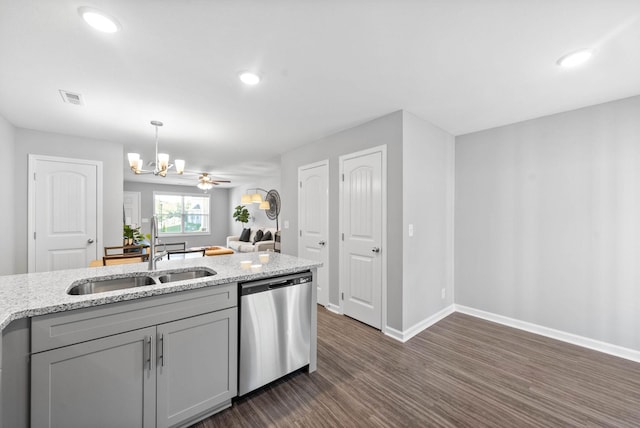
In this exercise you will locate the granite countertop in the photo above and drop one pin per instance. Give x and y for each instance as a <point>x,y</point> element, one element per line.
<point>28,295</point>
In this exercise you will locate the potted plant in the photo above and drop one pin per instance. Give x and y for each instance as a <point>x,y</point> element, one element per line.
<point>131,235</point>
<point>241,214</point>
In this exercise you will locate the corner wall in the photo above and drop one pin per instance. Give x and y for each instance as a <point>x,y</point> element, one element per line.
<point>547,222</point>
<point>7,195</point>
<point>44,143</point>
<point>428,193</point>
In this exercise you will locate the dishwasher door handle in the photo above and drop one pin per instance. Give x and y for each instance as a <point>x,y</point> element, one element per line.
<point>280,284</point>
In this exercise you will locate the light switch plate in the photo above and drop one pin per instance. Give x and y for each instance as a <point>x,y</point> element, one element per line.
<point>286,224</point>
<point>411,230</point>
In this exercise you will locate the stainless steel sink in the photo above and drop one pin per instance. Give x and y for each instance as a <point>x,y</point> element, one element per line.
<point>98,285</point>
<point>101,285</point>
<point>189,274</point>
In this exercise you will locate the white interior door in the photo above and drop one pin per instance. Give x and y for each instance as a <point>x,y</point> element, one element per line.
<point>313,218</point>
<point>131,204</point>
<point>65,220</point>
<point>361,260</point>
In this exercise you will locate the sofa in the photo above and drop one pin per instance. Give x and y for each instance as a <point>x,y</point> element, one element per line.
<point>249,246</point>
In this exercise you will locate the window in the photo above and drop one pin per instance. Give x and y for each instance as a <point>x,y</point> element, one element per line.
<point>181,214</point>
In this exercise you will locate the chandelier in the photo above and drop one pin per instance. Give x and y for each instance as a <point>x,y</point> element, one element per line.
<point>161,165</point>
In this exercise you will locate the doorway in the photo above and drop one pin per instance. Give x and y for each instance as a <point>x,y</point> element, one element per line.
<point>363,258</point>
<point>65,212</point>
<point>313,215</point>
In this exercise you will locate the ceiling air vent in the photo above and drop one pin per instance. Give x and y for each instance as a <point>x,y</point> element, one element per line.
<point>71,98</point>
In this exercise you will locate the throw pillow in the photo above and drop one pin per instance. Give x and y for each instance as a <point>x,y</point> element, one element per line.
<point>258,236</point>
<point>267,236</point>
<point>245,235</point>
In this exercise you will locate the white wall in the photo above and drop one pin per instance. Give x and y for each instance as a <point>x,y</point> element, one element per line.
<point>384,130</point>
<point>428,177</point>
<point>258,217</point>
<point>44,143</point>
<point>7,195</point>
<point>547,226</point>
<point>219,202</point>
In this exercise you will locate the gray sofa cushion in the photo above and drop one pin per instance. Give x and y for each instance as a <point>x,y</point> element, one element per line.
<point>245,235</point>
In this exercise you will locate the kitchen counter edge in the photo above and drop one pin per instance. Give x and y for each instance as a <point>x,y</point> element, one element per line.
<point>33,294</point>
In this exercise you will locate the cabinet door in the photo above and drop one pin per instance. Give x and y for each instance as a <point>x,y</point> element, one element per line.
<point>196,366</point>
<point>103,382</point>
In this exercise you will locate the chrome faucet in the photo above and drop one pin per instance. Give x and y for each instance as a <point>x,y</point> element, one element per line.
<point>153,257</point>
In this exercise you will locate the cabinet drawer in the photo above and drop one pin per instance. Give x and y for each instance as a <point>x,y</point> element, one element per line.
<point>66,328</point>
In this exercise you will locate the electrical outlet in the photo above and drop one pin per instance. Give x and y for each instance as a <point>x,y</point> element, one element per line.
<point>286,224</point>
<point>443,293</point>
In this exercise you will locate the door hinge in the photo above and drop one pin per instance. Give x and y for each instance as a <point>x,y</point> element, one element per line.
<point>342,177</point>
<point>343,236</point>
<point>301,184</point>
<point>342,296</point>
<point>34,176</point>
<point>34,235</point>
<point>300,233</point>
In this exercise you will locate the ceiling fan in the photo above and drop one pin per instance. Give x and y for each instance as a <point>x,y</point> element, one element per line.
<point>205,182</point>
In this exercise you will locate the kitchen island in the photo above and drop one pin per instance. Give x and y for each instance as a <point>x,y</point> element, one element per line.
<point>48,333</point>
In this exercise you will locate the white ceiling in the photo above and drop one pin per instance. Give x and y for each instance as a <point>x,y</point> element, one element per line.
<point>326,66</point>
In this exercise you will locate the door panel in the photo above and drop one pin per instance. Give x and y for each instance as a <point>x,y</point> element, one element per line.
<point>131,204</point>
<point>101,380</point>
<point>63,205</point>
<point>313,216</point>
<point>361,273</point>
<point>197,365</point>
<point>360,270</point>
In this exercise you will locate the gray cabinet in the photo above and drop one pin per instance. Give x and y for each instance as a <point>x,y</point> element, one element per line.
<point>103,382</point>
<point>197,366</point>
<point>173,373</point>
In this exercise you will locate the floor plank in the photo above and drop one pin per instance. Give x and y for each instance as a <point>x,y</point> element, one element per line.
<point>461,372</point>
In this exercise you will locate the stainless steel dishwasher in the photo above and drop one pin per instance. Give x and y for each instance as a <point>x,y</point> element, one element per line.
<point>275,329</point>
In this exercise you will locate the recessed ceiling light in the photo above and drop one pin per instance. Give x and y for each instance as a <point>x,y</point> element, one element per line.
<point>249,78</point>
<point>576,58</point>
<point>99,20</point>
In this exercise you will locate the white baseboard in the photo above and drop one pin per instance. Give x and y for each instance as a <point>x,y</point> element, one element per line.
<point>403,336</point>
<point>333,308</point>
<point>574,339</point>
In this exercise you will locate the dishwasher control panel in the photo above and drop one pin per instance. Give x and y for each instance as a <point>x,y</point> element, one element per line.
<point>273,283</point>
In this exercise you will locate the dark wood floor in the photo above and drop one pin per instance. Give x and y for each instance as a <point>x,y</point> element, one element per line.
<point>463,371</point>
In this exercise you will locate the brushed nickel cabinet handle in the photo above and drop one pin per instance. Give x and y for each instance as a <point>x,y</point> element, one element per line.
<point>148,358</point>
<point>161,350</point>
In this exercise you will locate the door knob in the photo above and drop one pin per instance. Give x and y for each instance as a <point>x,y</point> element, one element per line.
<point>90,241</point>
<point>322,243</point>
<point>375,249</point>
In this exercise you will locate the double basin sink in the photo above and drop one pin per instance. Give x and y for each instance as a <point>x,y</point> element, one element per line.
<point>138,279</point>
